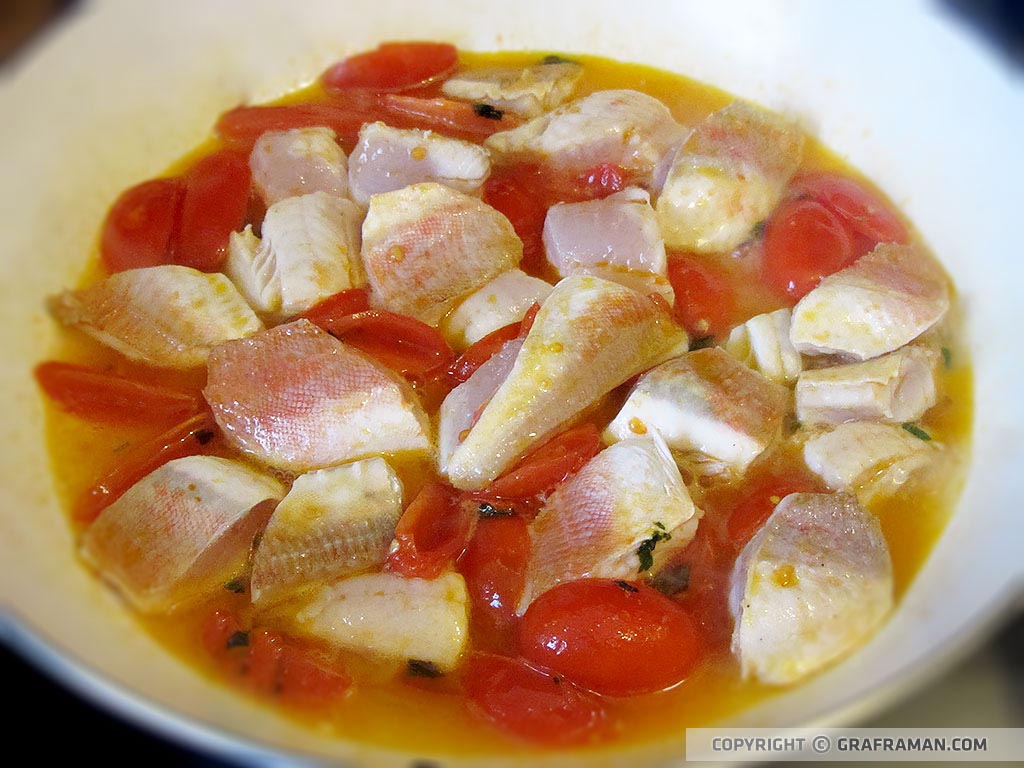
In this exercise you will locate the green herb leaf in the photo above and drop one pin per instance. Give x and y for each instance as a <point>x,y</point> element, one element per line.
<point>554,58</point>
<point>758,231</point>
<point>916,431</point>
<point>702,343</point>
<point>645,552</point>
<point>421,668</point>
<point>672,579</point>
<point>487,111</point>
<point>236,585</point>
<point>489,510</point>
<point>947,357</point>
<point>238,640</point>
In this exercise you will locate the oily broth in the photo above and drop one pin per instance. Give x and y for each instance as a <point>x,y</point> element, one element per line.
<point>390,709</point>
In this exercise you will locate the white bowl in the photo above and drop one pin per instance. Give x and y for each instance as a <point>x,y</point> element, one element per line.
<point>116,94</point>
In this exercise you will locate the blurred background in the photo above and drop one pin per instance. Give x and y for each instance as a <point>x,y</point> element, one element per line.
<point>985,690</point>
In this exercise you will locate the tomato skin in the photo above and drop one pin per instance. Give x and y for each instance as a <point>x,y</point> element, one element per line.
<point>215,205</point>
<point>103,397</point>
<point>432,532</point>
<point>704,302</point>
<point>340,305</point>
<point>548,465</point>
<point>277,666</point>
<point>532,704</point>
<point>240,127</point>
<point>138,229</point>
<point>481,351</point>
<point>393,67</point>
<point>803,243</point>
<point>517,192</point>
<point>611,637</point>
<point>758,501</point>
<point>859,209</point>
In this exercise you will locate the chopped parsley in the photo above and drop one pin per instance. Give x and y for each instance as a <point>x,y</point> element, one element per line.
<point>554,58</point>
<point>625,585</point>
<point>947,357</point>
<point>916,431</point>
<point>421,668</point>
<point>672,579</point>
<point>702,343</point>
<point>236,585</point>
<point>489,510</point>
<point>758,231</point>
<point>238,640</point>
<point>645,552</point>
<point>489,112</point>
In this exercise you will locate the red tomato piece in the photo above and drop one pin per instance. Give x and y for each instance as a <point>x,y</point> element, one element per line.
<point>432,532</point>
<point>185,439</point>
<point>481,351</point>
<point>442,114</point>
<point>517,192</point>
<point>861,210</point>
<point>304,682</point>
<point>532,704</point>
<point>602,180</point>
<point>240,127</point>
<point>710,560</point>
<point>548,465</point>
<point>334,308</point>
<point>803,243</point>
<point>215,204</point>
<point>217,630</point>
<point>704,303</point>
<point>757,501</point>
<point>138,228</point>
<point>393,67</point>
<point>612,637</point>
<point>99,396</point>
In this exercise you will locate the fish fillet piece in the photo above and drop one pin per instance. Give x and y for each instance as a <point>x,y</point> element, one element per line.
<point>621,127</point>
<point>298,162</point>
<point>588,337</point>
<point>882,301</point>
<point>866,457</point>
<point>596,523</point>
<point>386,159</point>
<point>503,301</point>
<point>181,531</point>
<point>391,617</point>
<point>527,91</point>
<point>763,344</point>
<point>707,406</point>
<point>811,586</point>
<point>894,388</point>
<point>168,316</point>
<point>334,522</point>
<point>296,398</point>
<point>426,246</point>
<point>309,251</point>
<point>726,177</point>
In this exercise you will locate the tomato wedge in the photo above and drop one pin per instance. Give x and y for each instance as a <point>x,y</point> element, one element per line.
<point>446,115</point>
<point>532,704</point>
<point>280,667</point>
<point>605,636</point>
<point>432,532</point>
<point>549,464</point>
<point>484,349</point>
<point>516,191</point>
<point>98,396</point>
<point>240,127</point>
<point>138,229</point>
<point>393,67</point>
<point>861,210</point>
<point>185,439</point>
<point>215,204</point>
<point>334,308</point>
<point>704,303</point>
<point>757,501</point>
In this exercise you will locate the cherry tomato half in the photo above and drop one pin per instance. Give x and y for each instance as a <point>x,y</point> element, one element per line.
<point>861,210</point>
<point>431,533</point>
<point>215,204</point>
<point>704,303</point>
<point>549,464</point>
<point>393,67</point>
<point>137,231</point>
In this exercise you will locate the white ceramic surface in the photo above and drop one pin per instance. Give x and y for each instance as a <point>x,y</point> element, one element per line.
<point>124,88</point>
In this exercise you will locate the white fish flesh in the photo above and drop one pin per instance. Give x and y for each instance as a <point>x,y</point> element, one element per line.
<point>167,316</point>
<point>391,617</point>
<point>298,162</point>
<point>763,344</point>
<point>894,388</point>
<point>879,303</point>
<point>811,586</point>
<point>625,505</point>
<point>707,406</point>
<point>526,92</point>
<point>503,301</point>
<point>296,398</point>
<point>334,522</point>
<point>181,531</point>
<point>621,127</point>
<point>309,251</point>
<point>426,246</point>
<point>386,159</point>
<point>726,177</point>
<point>590,336</point>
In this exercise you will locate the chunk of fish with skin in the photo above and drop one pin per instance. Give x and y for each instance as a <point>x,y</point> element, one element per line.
<point>589,337</point>
<point>296,398</point>
<point>707,406</point>
<point>621,127</point>
<point>391,617</point>
<point>503,301</point>
<point>167,316</point>
<point>387,159</point>
<point>726,177</point>
<point>895,388</point>
<point>298,162</point>
<point>181,531</point>
<point>762,343</point>
<point>865,456</point>
<point>309,251</point>
<point>334,522</point>
<point>594,524</point>
<point>882,301</point>
<point>527,91</point>
<point>426,246</point>
<point>811,586</point>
